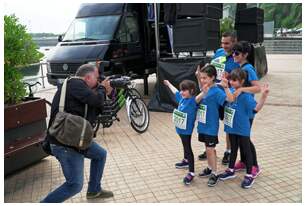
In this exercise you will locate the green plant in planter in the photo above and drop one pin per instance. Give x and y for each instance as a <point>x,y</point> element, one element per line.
<point>19,50</point>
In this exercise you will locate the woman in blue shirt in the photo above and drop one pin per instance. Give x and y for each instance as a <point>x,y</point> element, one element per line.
<point>184,118</point>
<point>237,124</point>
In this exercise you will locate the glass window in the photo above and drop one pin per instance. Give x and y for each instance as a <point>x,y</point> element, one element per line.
<point>132,29</point>
<point>92,28</point>
<point>121,34</point>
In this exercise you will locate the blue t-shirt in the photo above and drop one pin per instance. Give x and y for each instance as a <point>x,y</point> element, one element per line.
<point>189,106</point>
<point>243,109</point>
<point>230,63</point>
<point>209,124</point>
<point>252,76</point>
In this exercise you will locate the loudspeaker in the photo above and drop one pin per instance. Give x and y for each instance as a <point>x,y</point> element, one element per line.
<point>250,16</point>
<point>252,33</point>
<point>183,10</point>
<point>196,34</point>
<point>214,11</point>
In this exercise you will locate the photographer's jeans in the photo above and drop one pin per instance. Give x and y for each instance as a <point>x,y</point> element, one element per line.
<point>72,163</point>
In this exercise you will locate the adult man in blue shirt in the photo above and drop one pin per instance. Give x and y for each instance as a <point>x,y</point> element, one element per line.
<point>224,63</point>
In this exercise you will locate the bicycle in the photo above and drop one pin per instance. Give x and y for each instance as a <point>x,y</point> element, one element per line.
<point>125,94</point>
<point>31,93</point>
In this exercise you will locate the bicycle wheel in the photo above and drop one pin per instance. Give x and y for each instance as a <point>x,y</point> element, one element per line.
<point>139,115</point>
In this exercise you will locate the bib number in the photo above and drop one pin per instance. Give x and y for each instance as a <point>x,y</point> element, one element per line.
<point>179,119</point>
<point>201,114</point>
<point>219,64</point>
<point>229,114</point>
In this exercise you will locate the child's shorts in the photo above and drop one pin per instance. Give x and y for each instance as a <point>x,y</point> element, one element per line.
<point>210,141</point>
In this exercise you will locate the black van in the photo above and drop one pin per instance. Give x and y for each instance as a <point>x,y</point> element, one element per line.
<point>119,35</point>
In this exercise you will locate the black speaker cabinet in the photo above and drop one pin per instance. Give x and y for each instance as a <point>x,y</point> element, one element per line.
<point>214,11</point>
<point>191,10</point>
<point>250,16</point>
<point>196,34</point>
<point>250,32</point>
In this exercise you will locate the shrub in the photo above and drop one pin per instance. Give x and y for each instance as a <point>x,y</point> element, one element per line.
<point>19,50</point>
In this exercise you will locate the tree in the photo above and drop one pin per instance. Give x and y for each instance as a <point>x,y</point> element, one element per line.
<point>19,50</point>
<point>286,15</point>
<point>226,25</point>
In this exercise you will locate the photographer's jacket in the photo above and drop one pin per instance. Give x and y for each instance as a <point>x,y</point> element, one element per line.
<point>77,95</point>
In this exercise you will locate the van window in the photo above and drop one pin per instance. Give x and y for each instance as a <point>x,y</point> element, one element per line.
<point>132,29</point>
<point>121,35</point>
<point>92,28</point>
<point>128,30</point>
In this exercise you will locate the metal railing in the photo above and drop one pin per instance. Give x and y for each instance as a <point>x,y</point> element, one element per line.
<point>41,75</point>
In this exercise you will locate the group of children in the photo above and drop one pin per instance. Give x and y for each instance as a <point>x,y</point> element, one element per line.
<point>235,94</point>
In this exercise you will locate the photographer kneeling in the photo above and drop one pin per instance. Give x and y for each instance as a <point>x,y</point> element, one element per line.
<point>80,92</point>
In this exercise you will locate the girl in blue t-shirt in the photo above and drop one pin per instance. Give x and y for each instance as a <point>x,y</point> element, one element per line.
<point>237,124</point>
<point>241,51</point>
<point>210,99</point>
<point>184,118</point>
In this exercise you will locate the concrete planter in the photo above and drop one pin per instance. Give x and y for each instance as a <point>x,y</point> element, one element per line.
<point>24,129</point>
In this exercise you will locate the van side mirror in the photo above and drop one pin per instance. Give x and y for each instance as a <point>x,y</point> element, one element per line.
<point>60,38</point>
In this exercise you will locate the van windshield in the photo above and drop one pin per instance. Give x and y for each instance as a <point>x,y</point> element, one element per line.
<point>92,28</point>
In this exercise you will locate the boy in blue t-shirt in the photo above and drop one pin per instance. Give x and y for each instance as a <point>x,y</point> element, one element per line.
<point>184,118</point>
<point>237,124</point>
<point>210,99</point>
<point>224,63</point>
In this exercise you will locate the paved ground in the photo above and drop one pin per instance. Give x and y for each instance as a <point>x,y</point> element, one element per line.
<point>140,168</point>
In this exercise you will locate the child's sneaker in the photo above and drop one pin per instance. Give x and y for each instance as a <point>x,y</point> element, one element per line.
<point>213,180</point>
<point>226,158</point>
<point>203,156</point>
<point>228,174</point>
<point>255,171</point>
<point>239,166</point>
<point>206,172</point>
<point>189,177</point>
<point>182,164</point>
<point>247,182</point>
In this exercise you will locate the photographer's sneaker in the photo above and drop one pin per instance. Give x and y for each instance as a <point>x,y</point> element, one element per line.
<point>239,166</point>
<point>228,174</point>
<point>203,156</point>
<point>247,182</point>
<point>181,165</point>
<point>205,173</point>
<point>189,177</point>
<point>101,194</point>
<point>255,171</point>
<point>213,180</point>
<point>226,158</point>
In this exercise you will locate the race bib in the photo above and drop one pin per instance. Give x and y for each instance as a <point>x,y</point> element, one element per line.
<point>229,114</point>
<point>201,114</point>
<point>219,64</point>
<point>179,119</point>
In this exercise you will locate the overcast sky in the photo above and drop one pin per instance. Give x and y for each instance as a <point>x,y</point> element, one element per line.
<point>43,16</point>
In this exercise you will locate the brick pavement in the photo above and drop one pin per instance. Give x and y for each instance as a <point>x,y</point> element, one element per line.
<point>140,167</point>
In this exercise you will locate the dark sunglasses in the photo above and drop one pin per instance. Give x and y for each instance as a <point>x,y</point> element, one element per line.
<point>236,53</point>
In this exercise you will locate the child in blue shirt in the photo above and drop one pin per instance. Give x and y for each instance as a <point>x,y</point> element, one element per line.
<point>237,124</point>
<point>184,118</point>
<point>241,50</point>
<point>210,99</point>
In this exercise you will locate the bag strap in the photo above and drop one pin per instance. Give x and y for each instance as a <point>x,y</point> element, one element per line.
<point>63,96</point>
